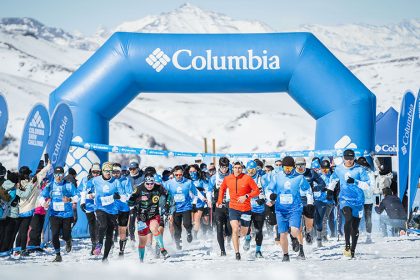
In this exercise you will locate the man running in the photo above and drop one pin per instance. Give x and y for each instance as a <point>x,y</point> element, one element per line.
<point>286,190</point>
<point>146,197</point>
<point>242,188</point>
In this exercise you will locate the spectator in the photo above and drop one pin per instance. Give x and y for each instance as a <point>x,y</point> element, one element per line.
<point>395,213</point>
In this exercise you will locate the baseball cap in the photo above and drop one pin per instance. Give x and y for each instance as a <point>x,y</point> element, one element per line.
<point>96,167</point>
<point>58,170</point>
<point>300,161</point>
<point>348,154</point>
<point>133,165</point>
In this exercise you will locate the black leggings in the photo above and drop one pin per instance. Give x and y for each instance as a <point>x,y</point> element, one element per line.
<point>182,218</point>
<point>9,234</point>
<point>223,226</point>
<point>132,223</point>
<point>351,227</point>
<point>106,224</point>
<point>368,217</point>
<point>258,222</point>
<point>93,227</point>
<point>37,224</point>
<point>60,225</point>
<point>22,237</point>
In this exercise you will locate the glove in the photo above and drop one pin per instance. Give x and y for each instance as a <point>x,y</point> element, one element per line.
<point>273,196</point>
<point>350,180</point>
<point>13,177</point>
<point>167,208</point>
<point>117,196</point>
<point>15,201</point>
<point>330,195</point>
<point>83,207</point>
<point>260,201</point>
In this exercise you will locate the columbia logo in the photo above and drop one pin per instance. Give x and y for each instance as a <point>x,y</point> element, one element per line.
<point>378,148</point>
<point>404,150</point>
<point>37,121</point>
<point>158,59</point>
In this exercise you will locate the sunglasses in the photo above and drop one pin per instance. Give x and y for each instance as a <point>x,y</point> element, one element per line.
<point>106,171</point>
<point>252,170</point>
<point>116,172</point>
<point>300,165</point>
<point>149,184</point>
<point>178,175</point>
<point>58,174</point>
<point>288,168</point>
<point>132,169</point>
<point>224,167</point>
<point>96,172</point>
<point>349,158</point>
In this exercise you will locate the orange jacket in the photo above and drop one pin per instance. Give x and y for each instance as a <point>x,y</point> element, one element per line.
<point>239,186</point>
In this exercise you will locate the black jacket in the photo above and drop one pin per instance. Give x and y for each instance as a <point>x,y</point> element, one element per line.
<point>393,207</point>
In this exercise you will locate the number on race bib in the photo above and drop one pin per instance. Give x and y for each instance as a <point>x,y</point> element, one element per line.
<point>286,198</point>
<point>317,194</point>
<point>246,217</point>
<point>179,198</point>
<point>58,206</point>
<point>107,200</point>
<point>141,225</point>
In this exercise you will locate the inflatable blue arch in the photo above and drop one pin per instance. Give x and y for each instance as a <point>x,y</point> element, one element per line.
<point>297,63</point>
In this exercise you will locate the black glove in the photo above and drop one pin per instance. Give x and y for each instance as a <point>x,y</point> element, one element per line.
<point>260,201</point>
<point>350,180</point>
<point>330,195</point>
<point>83,207</point>
<point>15,201</point>
<point>273,196</point>
<point>117,196</point>
<point>13,177</point>
<point>167,208</point>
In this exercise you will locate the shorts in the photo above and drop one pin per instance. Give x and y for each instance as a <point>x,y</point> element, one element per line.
<point>204,210</point>
<point>288,219</point>
<point>243,217</point>
<point>309,211</point>
<point>146,230</point>
<point>123,218</point>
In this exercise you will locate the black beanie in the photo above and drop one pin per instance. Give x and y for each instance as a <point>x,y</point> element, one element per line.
<point>288,161</point>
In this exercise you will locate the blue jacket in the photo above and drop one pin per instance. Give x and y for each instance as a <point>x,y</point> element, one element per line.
<point>85,190</point>
<point>180,191</point>
<point>351,194</point>
<point>56,191</point>
<point>321,195</point>
<point>104,191</point>
<point>289,190</point>
<point>202,187</point>
<point>125,192</point>
<point>258,203</point>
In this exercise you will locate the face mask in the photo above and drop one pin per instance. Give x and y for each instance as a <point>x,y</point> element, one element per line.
<point>194,175</point>
<point>277,168</point>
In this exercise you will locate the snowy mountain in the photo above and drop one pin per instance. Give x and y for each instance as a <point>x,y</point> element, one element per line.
<point>35,59</point>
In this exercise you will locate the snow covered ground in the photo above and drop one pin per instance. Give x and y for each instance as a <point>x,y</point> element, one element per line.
<point>386,258</point>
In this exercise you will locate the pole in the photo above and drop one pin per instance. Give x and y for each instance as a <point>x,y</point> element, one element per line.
<point>214,151</point>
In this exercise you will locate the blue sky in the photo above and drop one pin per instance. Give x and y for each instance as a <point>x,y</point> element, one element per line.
<point>87,15</point>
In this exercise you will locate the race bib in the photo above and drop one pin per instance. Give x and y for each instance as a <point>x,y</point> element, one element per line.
<point>286,198</point>
<point>246,217</point>
<point>107,200</point>
<point>317,194</point>
<point>58,206</point>
<point>141,225</point>
<point>179,198</point>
